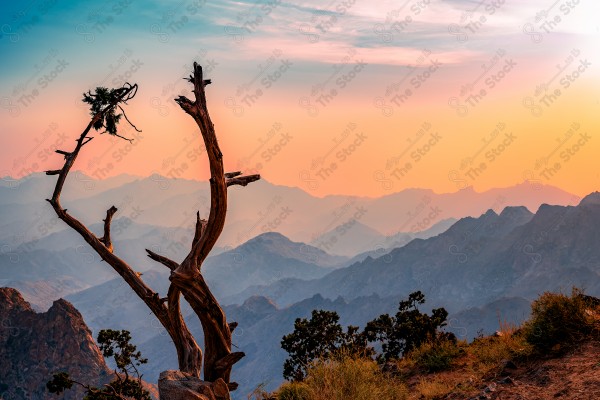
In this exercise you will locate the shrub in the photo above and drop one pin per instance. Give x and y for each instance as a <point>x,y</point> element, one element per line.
<point>319,337</point>
<point>407,330</point>
<point>294,391</point>
<point>112,344</point>
<point>558,320</point>
<point>344,377</point>
<point>437,355</point>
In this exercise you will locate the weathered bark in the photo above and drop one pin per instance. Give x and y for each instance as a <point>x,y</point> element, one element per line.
<point>186,277</point>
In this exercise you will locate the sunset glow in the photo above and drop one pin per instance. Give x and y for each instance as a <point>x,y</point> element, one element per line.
<point>348,99</point>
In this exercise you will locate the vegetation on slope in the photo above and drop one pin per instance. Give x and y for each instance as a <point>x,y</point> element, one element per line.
<point>440,367</point>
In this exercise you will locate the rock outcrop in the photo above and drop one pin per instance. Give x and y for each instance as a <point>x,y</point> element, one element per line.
<point>177,385</point>
<point>34,346</point>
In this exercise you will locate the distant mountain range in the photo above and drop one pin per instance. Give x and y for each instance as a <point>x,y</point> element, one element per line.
<point>477,260</point>
<point>261,207</point>
<point>158,213</point>
<point>483,270</point>
<point>483,256</point>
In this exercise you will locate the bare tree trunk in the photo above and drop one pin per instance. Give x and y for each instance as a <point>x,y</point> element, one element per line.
<point>186,277</point>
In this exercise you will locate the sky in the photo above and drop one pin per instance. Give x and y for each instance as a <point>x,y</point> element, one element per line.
<point>335,97</point>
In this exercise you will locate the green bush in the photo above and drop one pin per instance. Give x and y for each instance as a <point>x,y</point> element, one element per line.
<point>438,355</point>
<point>558,320</point>
<point>321,336</point>
<point>294,391</point>
<point>407,330</point>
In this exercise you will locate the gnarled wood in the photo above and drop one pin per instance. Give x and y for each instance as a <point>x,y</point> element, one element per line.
<point>186,278</point>
<point>106,238</point>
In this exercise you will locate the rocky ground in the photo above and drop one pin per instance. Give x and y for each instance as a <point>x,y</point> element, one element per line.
<point>573,376</point>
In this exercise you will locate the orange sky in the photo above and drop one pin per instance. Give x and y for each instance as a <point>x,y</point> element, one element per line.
<point>347,114</point>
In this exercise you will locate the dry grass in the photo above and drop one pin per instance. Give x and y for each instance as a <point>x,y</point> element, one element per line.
<point>344,378</point>
<point>428,388</point>
<point>351,378</point>
<point>466,366</point>
<point>490,351</point>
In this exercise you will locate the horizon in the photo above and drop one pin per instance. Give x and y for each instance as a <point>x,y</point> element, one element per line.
<point>409,211</point>
<point>533,186</point>
<point>337,100</point>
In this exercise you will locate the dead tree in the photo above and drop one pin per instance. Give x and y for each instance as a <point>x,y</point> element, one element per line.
<point>185,277</point>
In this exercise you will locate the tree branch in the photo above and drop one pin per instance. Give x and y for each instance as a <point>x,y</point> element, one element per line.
<point>180,335</point>
<point>229,360</point>
<point>200,228</point>
<point>232,174</point>
<point>172,265</point>
<point>64,153</point>
<point>242,180</point>
<point>218,358</point>
<point>127,119</point>
<point>186,278</point>
<point>106,238</point>
<point>122,137</point>
<point>188,351</point>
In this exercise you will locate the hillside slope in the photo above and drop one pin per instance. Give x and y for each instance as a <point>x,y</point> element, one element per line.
<point>574,376</point>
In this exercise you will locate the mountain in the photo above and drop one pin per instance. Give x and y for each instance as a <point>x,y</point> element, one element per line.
<point>62,263</point>
<point>258,208</point>
<point>32,188</point>
<point>484,270</point>
<point>34,346</point>
<point>114,305</point>
<point>476,261</point>
<point>263,260</point>
<point>259,261</point>
<point>44,275</point>
<point>488,318</point>
<point>400,239</point>
<point>349,238</point>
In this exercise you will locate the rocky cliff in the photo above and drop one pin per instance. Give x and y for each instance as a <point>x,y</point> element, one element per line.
<point>33,346</point>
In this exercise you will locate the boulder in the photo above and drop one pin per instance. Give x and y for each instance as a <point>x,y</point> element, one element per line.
<point>177,385</point>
